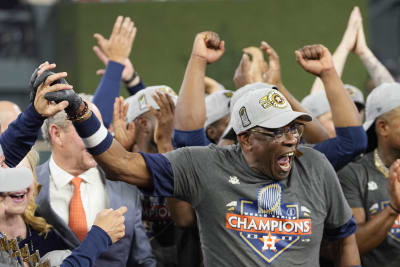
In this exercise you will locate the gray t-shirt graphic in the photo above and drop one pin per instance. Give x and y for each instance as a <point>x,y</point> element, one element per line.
<point>246,219</point>
<point>365,187</point>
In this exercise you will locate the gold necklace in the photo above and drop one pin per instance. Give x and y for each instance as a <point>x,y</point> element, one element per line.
<point>379,164</point>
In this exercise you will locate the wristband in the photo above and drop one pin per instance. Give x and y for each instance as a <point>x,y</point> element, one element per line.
<point>393,208</point>
<point>134,75</point>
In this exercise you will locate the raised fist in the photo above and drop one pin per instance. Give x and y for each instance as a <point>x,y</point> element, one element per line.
<point>207,45</point>
<point>315,59</point>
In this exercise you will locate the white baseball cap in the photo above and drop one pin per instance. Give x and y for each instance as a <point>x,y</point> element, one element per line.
<point>356,95</point>
<point>15,179</point>
<point>266,108</point>
<point>316,103</point>
<point>217,106</point>
<point>138,102</point>
<point>382,99</point>
<point>229,132</point>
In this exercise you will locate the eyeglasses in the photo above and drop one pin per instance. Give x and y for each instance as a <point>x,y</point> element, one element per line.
<point>296,130</point>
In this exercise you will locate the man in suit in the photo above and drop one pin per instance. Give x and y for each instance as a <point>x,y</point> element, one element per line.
<point>74,190</point>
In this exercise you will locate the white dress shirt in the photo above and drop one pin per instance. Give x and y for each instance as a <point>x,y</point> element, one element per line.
<point>93,192</point>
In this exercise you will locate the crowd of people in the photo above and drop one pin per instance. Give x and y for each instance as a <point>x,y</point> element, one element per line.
<point>208,176</point>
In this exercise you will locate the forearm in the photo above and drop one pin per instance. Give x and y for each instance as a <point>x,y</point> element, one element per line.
<point>108,90</point>
<point>348,252</point>
<point>370,234</point>
<point>96,242</point>
<point>376,70</point>
<point>314,132</point>
<point>21,135</point>
<point>190,111</point>
<point>181,212</point>
<point>115,160</point>
<point>135,87</point>
<point>165,146</point>
<point>344,111</point>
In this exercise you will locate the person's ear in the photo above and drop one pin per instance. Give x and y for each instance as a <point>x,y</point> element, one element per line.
<point>211,132</point>
<point>56,134</point>
<point>382,127</point>
<point>245,141</point>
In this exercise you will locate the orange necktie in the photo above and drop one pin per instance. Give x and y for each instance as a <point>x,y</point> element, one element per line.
<point>77,216</point>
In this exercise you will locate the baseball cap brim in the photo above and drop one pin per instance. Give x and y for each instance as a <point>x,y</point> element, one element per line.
<point>284,118</point>
<point>368,124</point>
<point>15,179</point>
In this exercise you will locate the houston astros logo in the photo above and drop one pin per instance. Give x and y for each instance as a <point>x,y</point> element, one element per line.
<point>267,225</point>
<point>273,99</point>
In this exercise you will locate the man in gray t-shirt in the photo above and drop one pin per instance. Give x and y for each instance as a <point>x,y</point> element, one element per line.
<point>263,202</point>
<point>372,191</point>
<point>256,220</point>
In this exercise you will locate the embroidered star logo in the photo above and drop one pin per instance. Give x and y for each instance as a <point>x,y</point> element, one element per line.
<point>234,180</point>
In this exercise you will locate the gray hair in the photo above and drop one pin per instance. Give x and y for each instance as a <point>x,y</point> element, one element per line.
<point>59,119</point>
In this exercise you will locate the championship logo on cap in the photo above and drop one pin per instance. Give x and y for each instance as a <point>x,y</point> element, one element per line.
<point>142,102</point>
<point>268,226</point>
<point>273,99</point>
<point>243,117</point>
<point>228,94</point>
<point>168,90</point>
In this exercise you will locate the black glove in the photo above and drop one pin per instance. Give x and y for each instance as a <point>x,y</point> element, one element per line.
<point>73,98</point>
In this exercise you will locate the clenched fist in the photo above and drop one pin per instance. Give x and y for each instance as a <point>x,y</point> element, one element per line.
<point>315,59</point>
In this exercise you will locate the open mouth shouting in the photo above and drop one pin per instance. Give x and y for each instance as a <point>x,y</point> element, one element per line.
<point>285,162</point>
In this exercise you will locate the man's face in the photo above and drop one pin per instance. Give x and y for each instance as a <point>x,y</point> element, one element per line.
<point>74,147</point>
<point>393,129</point>
<point>15,203</point>
<point>216,129</point>
<point>273,156</point>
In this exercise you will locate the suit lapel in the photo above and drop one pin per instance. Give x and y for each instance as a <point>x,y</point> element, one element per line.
<point>44,208</point>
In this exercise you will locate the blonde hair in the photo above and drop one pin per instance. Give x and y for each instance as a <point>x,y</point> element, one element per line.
<point>39,224</point>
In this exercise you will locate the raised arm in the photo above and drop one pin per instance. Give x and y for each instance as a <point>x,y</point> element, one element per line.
<point>314,132</point>
<point>317,60</point>
<point>114,52</point>
<point>191,107</point>
<point>345,47</point>
<point>376,70</point>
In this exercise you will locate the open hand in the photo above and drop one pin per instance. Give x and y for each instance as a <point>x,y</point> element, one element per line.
<point>119,46</point>
<point>272,73</point>
<point>350,35</point>
<point>394,184</point>
<point>165,119</point>
<point>124,134</point>
<point>361,46</point>
<point>42,105</point>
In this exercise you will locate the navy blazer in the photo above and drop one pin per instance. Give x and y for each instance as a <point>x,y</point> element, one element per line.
<point>132,250</point>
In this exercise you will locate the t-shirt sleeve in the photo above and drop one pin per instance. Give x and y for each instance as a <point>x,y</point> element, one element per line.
<point>351,186</point>
<point>161,174</point>
<point>338,211</point>
<point>187,183</point>
<point>190,138</point>
<point>348,144</point>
